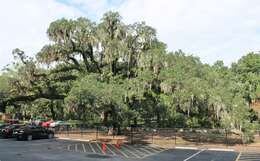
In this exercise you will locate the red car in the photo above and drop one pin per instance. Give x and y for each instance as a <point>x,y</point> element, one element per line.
<point>46,124</point>
<point>12,121</point>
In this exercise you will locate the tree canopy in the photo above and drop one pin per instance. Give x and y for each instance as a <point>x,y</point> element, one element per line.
<point>121,74</point>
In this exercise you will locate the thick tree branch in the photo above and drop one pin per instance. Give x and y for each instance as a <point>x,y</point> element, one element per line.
<point>29,98</point>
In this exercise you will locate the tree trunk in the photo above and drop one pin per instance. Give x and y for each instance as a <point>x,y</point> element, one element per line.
<point>158,119</point>
<point>3,109</point>
<point>119,129</point>
<point>105,118</point>
<point>53,114</point>
<point>135,122</point>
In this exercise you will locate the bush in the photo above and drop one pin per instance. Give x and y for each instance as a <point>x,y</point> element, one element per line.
<point>193,122</point>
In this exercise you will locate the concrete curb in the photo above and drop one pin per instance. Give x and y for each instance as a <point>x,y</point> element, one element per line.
<point>186,147</point>
<point>209,149</point>
<point>62,138</point>
<point>221,149</point>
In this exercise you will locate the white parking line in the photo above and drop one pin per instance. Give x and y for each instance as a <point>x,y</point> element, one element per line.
<point>84,148</point>
<point>194,155</point>
<point>76,147</point>
<point>69,147</point>
<point>111,150</point>
<point>153,149</point>
<point>120,151</point>
<point>93,150</point>
<point>129,151</point>
<point>158,147</point>
<point>238,156</point>
<point>99,147</point>
<point>147,151</point>
<point>133,149</point>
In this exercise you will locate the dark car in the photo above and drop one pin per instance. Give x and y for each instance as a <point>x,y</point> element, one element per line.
<point>7,132</point>
<point>2,126</point>
<point>33,132</point>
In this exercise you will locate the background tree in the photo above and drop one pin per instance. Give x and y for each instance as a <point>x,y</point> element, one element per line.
<point>118,74</point>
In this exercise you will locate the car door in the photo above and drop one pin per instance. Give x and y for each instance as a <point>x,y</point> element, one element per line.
<point>43,132</point>
<point>35,132</point>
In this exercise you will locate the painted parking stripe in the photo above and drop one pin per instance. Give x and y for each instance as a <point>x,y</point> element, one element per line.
<point>146,151</point>
<point>88,148</point>
<point>121,152</point>
<point>137,151</point>
<point>115,150</point>
<point>238,156</point>
<point>109,149</point>
<point>69,147</point>
<point>194,155</point>
<point>152,149</point>
<point>131,152</point>
<point>76,147</point>
<point>83,147</point>
<point>99,147</point>
<point>93,150</point>
<point>159,149</point>
<point>249,157</point>
<point>126,151</point>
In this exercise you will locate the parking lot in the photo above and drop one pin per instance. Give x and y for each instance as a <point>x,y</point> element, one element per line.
<point>124,151</point>
<point>64,150</point>
<point>252,156</point>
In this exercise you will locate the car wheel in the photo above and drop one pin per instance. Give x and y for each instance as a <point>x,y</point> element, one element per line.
<point>50,136</point>
<point>29,137</point>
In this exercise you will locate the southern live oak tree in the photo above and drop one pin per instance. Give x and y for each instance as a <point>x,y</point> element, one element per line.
<point>119,74</point>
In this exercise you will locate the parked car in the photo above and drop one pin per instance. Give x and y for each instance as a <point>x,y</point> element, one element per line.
<point>2,126</point>
<point>12,121</point>
<point>7,132</point>
<point>33,132</point>
<point>57,123</point>
<point>39,121</point>
<point>46,124</point>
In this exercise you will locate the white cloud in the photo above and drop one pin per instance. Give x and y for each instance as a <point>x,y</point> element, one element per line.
<point>24,24</point>
<point>211,29</point>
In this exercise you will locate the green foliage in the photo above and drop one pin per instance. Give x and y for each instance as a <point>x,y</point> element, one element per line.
<point>120,74</point>
<point>4,85</point>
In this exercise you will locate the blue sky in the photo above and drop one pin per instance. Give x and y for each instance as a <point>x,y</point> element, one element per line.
<point>86,6</point>
<point>211,29</point>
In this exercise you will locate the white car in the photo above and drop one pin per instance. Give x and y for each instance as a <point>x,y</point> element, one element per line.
<point>57,123</point>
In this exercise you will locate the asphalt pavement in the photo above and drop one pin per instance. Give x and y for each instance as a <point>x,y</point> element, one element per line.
<point>64,150</point>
